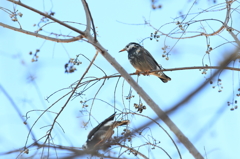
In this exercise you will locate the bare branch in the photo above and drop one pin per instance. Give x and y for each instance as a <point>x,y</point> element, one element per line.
<point>48,16</point>
<point>161,114</point>
<point>16,108</point>
<point>42,36</point>
<point>132,150</point>
<point>169,69</point>
<point>190,95</point>
<point>89,20</point>
<point>92,39</point>
<point>74,90</point>
<point>229,29</point>
<point>185,32</point>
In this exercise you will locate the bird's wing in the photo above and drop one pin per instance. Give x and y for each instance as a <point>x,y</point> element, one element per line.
<point>98,138</point>
<point>150,59</point>
<point>94,130</point>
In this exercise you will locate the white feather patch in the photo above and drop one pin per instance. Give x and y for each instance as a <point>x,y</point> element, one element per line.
<point>129,47</point>
<point>109,123</point>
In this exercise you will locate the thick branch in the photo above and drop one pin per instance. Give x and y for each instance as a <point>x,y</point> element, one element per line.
<point>161,114</point>
<point>89,20</point>
<point>191,94</point>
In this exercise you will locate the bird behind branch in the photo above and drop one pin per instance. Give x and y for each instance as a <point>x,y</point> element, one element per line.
<point>104,131</point>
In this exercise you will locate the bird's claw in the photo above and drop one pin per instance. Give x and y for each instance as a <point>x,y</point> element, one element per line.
<point>138,72</point>
<point>146,73</point>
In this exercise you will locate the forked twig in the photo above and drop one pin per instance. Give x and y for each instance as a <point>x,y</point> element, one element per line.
<point>89,21</point>
<point>48,16</point>
<point>74,90</point>
<point>42,36</point>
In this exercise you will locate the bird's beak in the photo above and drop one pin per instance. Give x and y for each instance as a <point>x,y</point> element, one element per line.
<point>122,50</point>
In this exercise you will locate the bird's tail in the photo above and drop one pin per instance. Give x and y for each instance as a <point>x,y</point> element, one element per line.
<point>121,123</point>
<point>164,77</point>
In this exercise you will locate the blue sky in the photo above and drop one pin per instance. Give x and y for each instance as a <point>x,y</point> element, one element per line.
<point>115,22</point>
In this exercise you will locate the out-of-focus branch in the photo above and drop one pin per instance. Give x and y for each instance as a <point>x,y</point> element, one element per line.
<point>161,114</point>
<point>193,93</point>
<point>16,108</point>
<point>228,59</point>
<point>132,150</point>
<point>42,36</point>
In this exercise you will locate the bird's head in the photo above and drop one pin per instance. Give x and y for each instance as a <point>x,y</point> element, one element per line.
<point>130,46</point>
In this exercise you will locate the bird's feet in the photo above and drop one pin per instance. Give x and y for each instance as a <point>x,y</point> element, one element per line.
<point>146,73</point>
<point>137,72</point>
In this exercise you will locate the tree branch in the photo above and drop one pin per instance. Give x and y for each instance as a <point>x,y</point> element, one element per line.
<point>132,150</point>
<point>48,16</point>
<point>169,69</point>
<point>74,90</point>
<point>192,94</point>
<point>161,114</point>
<point>86,34</point>
<point>229,29</point>
<point>89,20</point>
<point>42,36</point>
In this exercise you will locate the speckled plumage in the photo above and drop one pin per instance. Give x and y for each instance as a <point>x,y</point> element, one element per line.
<point>143,61</point>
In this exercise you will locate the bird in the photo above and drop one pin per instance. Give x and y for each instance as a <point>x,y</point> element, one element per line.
<point>102,132</point>
<point>143,61</point>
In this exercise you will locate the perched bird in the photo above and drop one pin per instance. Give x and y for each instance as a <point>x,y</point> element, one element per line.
<point>101,133</point>
<point>143,61</point>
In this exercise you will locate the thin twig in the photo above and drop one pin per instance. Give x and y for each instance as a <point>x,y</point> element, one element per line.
<point>48,16</point>
<point>190,95</point>
<point>155,107</point>
<point>42,36</point>
<point>132,150</point>
<point>74,90</point>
